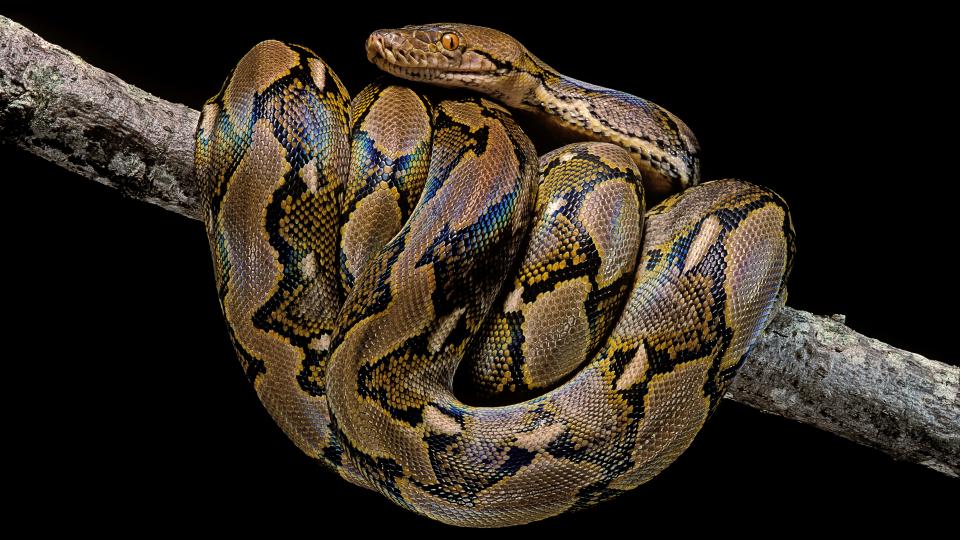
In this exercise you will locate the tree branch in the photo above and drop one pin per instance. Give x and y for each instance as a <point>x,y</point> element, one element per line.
<point>820,372</point>
<point>88,121</point>
<point>807,368</point>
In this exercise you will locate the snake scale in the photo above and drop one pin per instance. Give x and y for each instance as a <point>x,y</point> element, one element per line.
<point>371,252</point>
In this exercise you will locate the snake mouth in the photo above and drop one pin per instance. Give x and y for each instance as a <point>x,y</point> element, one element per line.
<point>410,72</point>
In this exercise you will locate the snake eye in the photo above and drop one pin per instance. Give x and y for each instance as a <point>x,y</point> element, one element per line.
<point>450,41</point>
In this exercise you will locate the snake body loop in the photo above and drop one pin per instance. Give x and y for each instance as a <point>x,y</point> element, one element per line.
<point>363,251</point>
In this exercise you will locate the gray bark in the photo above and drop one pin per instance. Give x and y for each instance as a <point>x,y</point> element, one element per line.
<point>808,368</point>
<point>88,121</point>
<point>820,372</point>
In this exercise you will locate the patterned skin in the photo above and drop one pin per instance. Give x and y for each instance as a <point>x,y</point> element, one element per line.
<point>573,280</point>
<point>362,254</point>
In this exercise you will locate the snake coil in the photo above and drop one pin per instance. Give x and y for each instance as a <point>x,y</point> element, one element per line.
<point>369,252</point>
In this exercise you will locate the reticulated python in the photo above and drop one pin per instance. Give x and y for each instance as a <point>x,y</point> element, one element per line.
<point>363,249</point>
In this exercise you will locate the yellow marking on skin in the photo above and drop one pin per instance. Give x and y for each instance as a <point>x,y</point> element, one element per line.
<point>444,326</point>
<point>498,505</point>
<point>709,232</point>
<point>318,72</point>
<point>635,370</point>
<point>438,422</point>
<point>467,114</point>
<point>409,314</point>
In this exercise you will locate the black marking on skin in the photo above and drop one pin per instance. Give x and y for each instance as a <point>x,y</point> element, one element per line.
<point>574,196</point>
<point>730,217</point>
<point>332,452</point>
<point>459,272</point>
<point>466,373</point>
<point>460,334</point>
<point>589,268</point>
<point>598,299</point>
<point>253,367</point>
<point>612,457</point>
<point>223,173</point>
<point>461,486</point>
<point>397,179</point>
<point>346,276</point>
<point>719,380</point>
<point>502,66</point>
<point>653,258</point>
<point>596,493</point>
<point>297,157</point>
<point>222,259</point>
<point>403,170</point>
<point>464,270</point>
<point>661,362</point>
<point>620,359</point>
<point>271,316</point>
<point>438,177</point>
<point>380,473</point>
<point>380,293</point>
<point>515,348</point>
<point>668,141</point>
<point>453,413</point>
<point>538,417</point>
<point>313,362</point>
<point>414,347</point>
<point>617,458</point>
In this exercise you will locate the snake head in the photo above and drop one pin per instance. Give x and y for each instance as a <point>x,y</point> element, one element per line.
<point>446,54</point>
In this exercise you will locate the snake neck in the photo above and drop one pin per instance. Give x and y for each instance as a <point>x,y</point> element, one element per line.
<point>664,148</point>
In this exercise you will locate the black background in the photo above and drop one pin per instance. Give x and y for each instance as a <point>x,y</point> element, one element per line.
<point>126,407</point>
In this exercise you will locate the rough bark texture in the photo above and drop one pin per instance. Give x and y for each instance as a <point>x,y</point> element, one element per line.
<point>818,371</point>
<point>57,106</point>
<point>808,368</point>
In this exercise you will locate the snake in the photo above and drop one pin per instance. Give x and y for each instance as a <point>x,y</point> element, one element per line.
<point>431,309</point>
